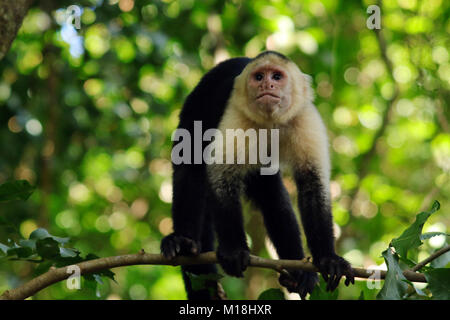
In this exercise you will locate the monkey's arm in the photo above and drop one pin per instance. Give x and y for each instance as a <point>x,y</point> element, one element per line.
<point>189,183</point>
<point>269,194</point>
<point>315,208</point>
<point>224,200</point>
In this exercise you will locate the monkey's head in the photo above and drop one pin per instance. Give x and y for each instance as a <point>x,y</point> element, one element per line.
<point>274,88</point>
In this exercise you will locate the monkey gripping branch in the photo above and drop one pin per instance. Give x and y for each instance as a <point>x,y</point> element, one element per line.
<point>43,247</point>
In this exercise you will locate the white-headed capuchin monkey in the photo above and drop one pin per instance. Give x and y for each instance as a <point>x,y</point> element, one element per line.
<point>268,92</point>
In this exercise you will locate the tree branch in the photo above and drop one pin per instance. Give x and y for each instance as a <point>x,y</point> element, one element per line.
<point>59,274</point>
<point>12,14</point>
<point>430,258</point>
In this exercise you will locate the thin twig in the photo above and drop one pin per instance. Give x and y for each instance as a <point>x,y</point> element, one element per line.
<point>366,158</point>
<point>59,274</point>
<point>438,253</point>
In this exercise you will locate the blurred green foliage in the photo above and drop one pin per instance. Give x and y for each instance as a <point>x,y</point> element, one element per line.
<point>87,114</point>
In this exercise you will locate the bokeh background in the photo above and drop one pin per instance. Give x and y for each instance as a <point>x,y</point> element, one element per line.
<point>86,115</point>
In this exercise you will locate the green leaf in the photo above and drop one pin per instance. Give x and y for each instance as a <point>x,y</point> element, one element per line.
<point>320,292</point>
<point>410,238</point>
<point>42,267</point>
<point>90,283</point>
<point>272,294</point>
<point>98,278</point>
<point>28,243</point>
<point>439,283</point>
<point>107,273</point>
<point>68,253</point>
<point>199,282</point>
<point>361,296</point>
<point>20,252</point>
<point>394,287</point>
<point>15,190</point>
<point>47,248</point>
<point>4,248</point>
<point>42,233</point>
<point>416,289</point>
<point>39,233</point>
<point>91,256</point>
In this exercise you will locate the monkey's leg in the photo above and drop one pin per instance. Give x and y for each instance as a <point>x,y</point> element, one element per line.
<point>188,210</point>
<point>232,252</point>
<point>315,208</point>
<point>272,198</point>
<point>210,289</point>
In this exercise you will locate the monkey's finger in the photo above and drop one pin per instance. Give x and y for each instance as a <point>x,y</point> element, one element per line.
<point>288,283</point>
<point>193,248</point>
<point>340,273</point>
<point>244,261</point>
<point>332,273</point>
<point>168,251</point>
<point>303,292</point>
<point>347,281</point>
<point>350,277</point>
<point>337,278</point>
<point>324,273</point>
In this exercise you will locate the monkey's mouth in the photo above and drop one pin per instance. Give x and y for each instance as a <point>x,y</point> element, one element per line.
<point>267,94</point>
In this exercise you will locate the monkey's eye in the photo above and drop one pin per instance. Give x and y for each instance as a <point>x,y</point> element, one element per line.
<point>277,76</point>
<point>259,76</point>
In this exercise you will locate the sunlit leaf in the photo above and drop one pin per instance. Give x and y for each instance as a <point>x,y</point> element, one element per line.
<point>41,233</point>
<point>410,238</point>
<point>394,287</point>
<point>67,252</point>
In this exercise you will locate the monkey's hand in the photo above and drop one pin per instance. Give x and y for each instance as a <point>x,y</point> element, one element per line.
<point>234,261</point>
<point>332,268</point>
<point>298,281</point>
<point>175,245</point>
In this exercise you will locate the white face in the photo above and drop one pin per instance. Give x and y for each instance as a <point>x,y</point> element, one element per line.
<point>269,89</point>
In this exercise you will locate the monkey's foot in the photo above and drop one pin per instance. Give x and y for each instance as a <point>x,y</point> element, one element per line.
<point>176,245</point>
<point>332,268</point>
<point>298,281</point>
<point>234,262</point>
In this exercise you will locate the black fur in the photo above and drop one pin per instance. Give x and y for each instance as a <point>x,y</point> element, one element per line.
<point>315,210</point>
<point>193,201</point>
<point>265,53</point>
<point>196,209</point>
